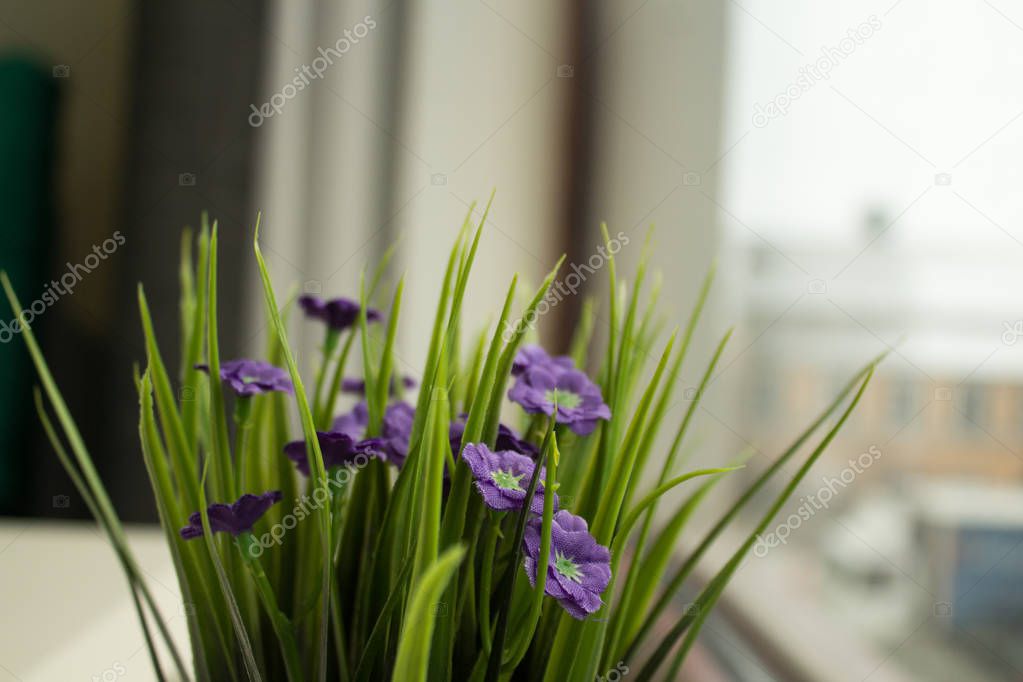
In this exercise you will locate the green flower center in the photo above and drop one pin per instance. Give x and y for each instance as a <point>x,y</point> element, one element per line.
<point>563,398</point>
<point>566,567</point>
<point>249,380</point>
<point>506,480</point>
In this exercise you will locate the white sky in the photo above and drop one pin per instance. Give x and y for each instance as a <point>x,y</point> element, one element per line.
<point>937,88</point>
<point>941,77</point>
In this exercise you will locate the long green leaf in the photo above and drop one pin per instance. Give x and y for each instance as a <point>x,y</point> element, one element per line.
<point>177,444</point>
<point>90,503</point>
<point>313,455</point>
<point>241,635</point>
<point>88,471</point>
<point>220,450</point>
<point>413,656</point>
<point>696,615</point>
<point>578,645</point>
<point>691,561</point>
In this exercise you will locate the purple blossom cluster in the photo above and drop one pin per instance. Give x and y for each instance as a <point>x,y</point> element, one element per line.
<point>235,518</point>
<point>356,386</point>
<point>578,568</point>
<point>502,477</point>
<point>553,386</point>
<point>337,448</point>
<point>251,377</point>
<point>338,313</point>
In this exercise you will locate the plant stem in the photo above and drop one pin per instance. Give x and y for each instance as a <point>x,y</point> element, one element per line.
<point>250,549</point>
<point>329,344</point>
<point>327,410</point>
<point>243,426</point>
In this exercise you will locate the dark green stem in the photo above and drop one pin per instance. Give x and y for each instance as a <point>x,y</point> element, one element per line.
<point>250,550</point>
<point>243,427</point>
<point>329,344</point>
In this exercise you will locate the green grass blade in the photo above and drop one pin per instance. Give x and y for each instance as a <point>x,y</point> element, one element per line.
<point>525,627</point>
<point>371,654</point>
<point>413,657</point>
<point>691,561</point>
<point>186,304</point>
<point>90,503</point>
<point>180,450</point>
<point>507,588</point>
<point>578,645</point>
<point>632,607</point>
<point>583,336</point>
<point>431,467</point>
<point>497,392</point>
<point>648,501</point>
<point>313,454</point>
<point>609,511</point>
<point>193,349</point>
<point>241,635</point>
<point>88,470</point>
<point>220,450</point>
<point>371,377</point>
<point>387,361</point>
<point>695,616</point>
<point>458,500</point>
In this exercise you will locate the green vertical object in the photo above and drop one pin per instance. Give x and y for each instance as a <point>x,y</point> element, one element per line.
<point>28,100</point>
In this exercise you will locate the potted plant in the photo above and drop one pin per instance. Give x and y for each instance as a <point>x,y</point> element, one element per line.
<point>421,539</point>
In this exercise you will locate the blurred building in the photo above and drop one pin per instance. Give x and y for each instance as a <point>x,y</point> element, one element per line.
<point>948,400</point>
<point>925,528</point>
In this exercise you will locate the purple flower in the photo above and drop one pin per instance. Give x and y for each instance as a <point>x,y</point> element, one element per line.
<point>540,388</point>
<point>358,386</point>
<point>507,439</point>
<point>396,432</point>
<point>338,313</point>
<point>250,377</point>
<point>338,449</point>
<point>234,518</point>
<point>502,478</point>
<point>353,423</point>
<point>578,570</point>
<point>535,355</point>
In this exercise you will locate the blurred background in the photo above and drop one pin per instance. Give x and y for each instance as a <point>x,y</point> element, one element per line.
<point>852,170</point>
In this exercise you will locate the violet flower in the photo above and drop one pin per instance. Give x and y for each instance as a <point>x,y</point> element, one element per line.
<point>578,569</point>
<point>396,432</point>
<point>502,478</point>
<point>535,355</point>
<point>358,386</point>
<point>541,388</point>
<point>353,423</point>
<point>507,439</point>
<point>338,313</point>
<point>251,377</point>
<point>338,449</point>
<point>236,518</point>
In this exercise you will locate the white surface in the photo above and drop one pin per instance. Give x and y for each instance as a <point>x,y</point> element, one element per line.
<point>67,611</point>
